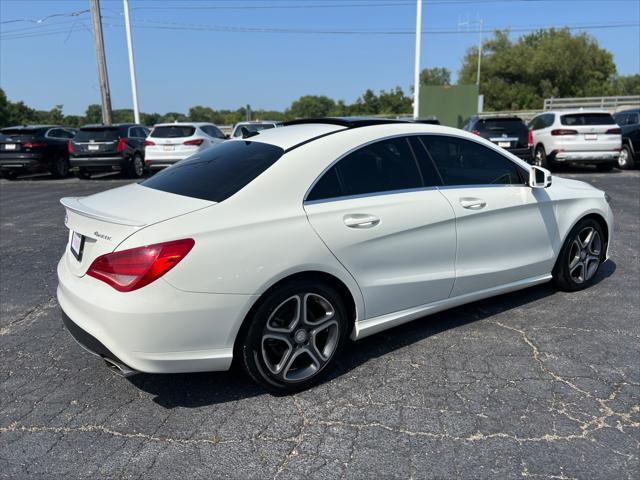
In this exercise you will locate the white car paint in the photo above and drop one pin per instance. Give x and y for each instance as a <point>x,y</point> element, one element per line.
<point>427,253</point>
<point>161,152</point>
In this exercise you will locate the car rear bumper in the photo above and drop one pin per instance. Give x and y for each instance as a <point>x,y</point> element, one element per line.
<point>156,329</point>
<point>22,161</point>
<point>98,163</point>
<point>158,163</point>
<point>586,156</point>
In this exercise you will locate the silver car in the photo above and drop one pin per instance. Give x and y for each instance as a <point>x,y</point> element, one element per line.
<point>576,136</point>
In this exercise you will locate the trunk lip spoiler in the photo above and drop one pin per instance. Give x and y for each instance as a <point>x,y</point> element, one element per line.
<point>74,204</point>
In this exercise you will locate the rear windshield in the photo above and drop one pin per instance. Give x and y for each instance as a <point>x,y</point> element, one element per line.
<point>173,131</point>
<point>587,119</point>
<point>253,127</point>
<point>502,125</point>
<point>23,133</point>
<point>218,172</point>
<point>97,134</point>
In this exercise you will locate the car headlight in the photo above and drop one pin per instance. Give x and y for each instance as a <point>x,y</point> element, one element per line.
<point>607,197</point>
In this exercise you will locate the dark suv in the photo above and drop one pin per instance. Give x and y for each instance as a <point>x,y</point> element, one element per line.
<point>35,148</point>
<point>507,132</point>
<point>107,148</point>
<point>629,121</point>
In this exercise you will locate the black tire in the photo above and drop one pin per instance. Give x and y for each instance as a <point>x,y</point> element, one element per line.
<point>604,167</point>
<point>572,261</point>
<point>626,161</point>
<point>83,174</point>
<point>60,167</point>
<point>278,360</point>
<point>540,157</point>
<point>135,167</point>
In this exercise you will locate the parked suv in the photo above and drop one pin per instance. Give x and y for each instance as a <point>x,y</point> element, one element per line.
<point>169,143</point>
<point>629,122</point>
<point>576,136</point>
<point>35,148</point>
<point>105,148</point>
<point>507,132</point>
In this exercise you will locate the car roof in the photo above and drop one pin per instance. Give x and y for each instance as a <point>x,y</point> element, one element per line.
<point>629,110</point>
<point>250,122</point>
<point>31,127</point>
<point>573,111</point>
<point>183,124</point>
<point>113,125</point>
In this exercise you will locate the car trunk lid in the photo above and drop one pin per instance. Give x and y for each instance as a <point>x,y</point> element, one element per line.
<point>106,219</point>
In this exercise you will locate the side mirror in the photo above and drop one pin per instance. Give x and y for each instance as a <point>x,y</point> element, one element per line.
<point>539,177</point>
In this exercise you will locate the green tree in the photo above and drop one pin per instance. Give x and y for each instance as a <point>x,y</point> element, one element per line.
<point>542,64</point>
<point>311,106</point>
<point>626,85</point>
<point>435,76</point>
<point>93,114</point>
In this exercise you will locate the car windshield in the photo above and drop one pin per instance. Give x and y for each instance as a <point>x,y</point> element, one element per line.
<point>252,127</point>
<point>218,172</point>
<point>587,119</point>
<point>501,125</point>
<point>21,134</point>
<point>173,131</point>
<point>99,134</point>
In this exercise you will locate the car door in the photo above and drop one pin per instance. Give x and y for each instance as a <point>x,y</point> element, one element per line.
<point>386,222</point>
<point>505,229</point>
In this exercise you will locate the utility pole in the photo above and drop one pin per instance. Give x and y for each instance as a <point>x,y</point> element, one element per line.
<point>102,63</point>
<point>132,67</point>
<point>416,76</point>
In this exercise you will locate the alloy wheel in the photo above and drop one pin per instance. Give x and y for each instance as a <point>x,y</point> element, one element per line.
<point>584,255</point>
<point>300,337</point>
<point>623,158</point>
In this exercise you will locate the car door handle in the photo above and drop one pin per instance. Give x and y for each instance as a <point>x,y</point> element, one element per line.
<point>472,203</point>
<point>361,220</point>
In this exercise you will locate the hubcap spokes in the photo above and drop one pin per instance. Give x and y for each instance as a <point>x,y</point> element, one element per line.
<point>622,159</point>
<point>584,256</point>
<point>300,337</point>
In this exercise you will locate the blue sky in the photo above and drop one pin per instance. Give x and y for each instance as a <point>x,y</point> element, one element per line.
<point>184,59</point>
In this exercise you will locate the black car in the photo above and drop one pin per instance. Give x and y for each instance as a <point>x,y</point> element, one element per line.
<point>629,121</point>
<point>35,148</point>
<point>108,148</point>
<point>510,133</point>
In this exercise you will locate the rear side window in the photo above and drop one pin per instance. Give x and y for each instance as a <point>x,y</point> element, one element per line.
<point>463,162</point>
<point>173,131</point>
<point>99,134</point>
<point>383,166</point>
<point>212,131</point>
<point>218,172</point>
<point>577,119</point>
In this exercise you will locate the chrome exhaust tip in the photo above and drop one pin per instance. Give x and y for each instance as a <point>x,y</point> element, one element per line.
<point>119,368</point>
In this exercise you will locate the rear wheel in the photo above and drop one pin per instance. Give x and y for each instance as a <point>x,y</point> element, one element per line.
<point>295,336</point>
<point>604,167</point>
<point>626,160</point>
<point>540,157</point>
<point>83,174</point>
<point>135,169</point>
<point>60,167</point>
<point>580,257</point>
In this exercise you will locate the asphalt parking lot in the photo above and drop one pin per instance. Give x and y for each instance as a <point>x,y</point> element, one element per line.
<point>537,383</point>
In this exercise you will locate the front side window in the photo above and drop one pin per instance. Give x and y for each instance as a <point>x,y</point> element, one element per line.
<point>464,162</point>
<point>216,173</point>
<point>384,166</point>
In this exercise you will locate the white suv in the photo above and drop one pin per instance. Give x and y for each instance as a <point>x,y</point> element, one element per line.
<point>581,136</point>
<point>169,143</point>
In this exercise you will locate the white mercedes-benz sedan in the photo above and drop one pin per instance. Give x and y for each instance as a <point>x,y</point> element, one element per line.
<point>275,249</point>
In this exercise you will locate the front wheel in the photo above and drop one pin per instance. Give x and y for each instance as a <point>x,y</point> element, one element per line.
<point>581,256</point>
<point>626,160</point>
<point>295,336</point>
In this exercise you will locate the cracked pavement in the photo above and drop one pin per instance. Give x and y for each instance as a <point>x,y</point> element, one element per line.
<point>537,383</point>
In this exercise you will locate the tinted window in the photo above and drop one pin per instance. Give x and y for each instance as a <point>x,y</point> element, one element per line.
<point>24,134</point>
<point>218,172</point>
<point>587,119</point>
<point>138,132</point>
<point>173,131</point>
<point>380,167</point>
<point>511,126</point>
<point>212,131</point>
<point>98,134</point>
<point>463,162</point>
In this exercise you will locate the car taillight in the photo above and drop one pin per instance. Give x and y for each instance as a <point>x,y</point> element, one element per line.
<point>34,145</point>
<point>563,131</point>
<point>530,138</point>
<point>122,145</point>
<point>148,143</point>
<point>70,146</point>
<point>134,268</point>
<point>475,132</point>
<point>614,130</point>
<point>194,142</point>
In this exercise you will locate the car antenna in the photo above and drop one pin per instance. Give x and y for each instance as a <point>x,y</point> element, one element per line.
<point>247,134</point>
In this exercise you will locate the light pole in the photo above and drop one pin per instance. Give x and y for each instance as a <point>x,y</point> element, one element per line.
<point>479,22</point>
<point>416,75</point>
<point>132,67</point>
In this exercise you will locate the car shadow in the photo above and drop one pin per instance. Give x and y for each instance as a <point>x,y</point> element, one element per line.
<point>195,390</point>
